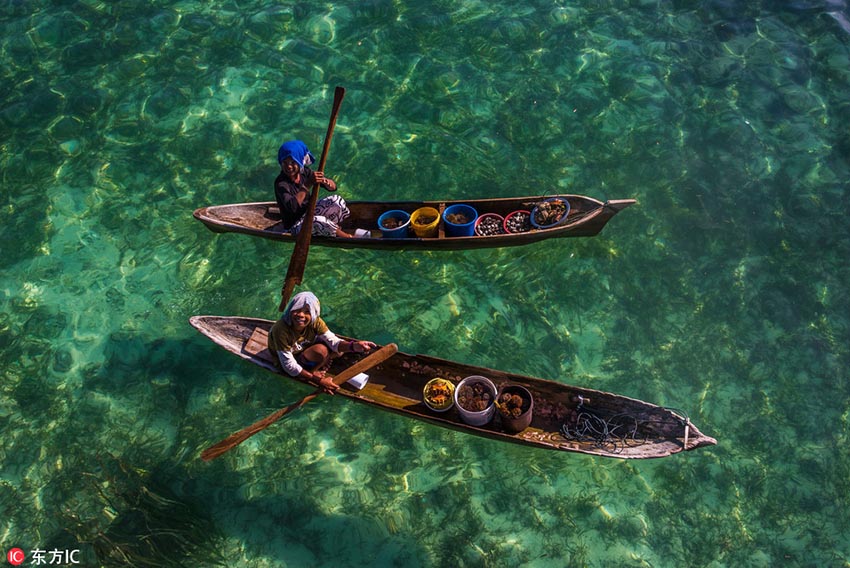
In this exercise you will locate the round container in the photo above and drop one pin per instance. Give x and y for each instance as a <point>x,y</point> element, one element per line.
<point>460,230</point>
<point>399,232</point>
<point>512,216</point>
<point>542,205</point>
<point>515,424</point>
<point>476,417</point>
<point>494,219</point>
<point>449,386</point>
<point>427,229</point>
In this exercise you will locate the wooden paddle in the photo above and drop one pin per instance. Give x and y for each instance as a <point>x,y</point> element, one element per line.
<point>234,440</point>
<point>298,260</point>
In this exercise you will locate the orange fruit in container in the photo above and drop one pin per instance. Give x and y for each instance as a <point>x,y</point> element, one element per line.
<point>438,394</point>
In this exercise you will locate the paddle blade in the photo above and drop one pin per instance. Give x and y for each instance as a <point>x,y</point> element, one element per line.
<point>237,438</point>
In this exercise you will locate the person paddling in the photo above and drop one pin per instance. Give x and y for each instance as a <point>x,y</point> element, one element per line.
<point>303,343</point>
<point>292,189</point>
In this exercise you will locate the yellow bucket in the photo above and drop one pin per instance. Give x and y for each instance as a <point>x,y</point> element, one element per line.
<point>421,229</point>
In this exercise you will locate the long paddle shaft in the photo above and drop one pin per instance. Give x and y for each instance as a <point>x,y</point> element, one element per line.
<point>234,440</point>
<point>298,260</point>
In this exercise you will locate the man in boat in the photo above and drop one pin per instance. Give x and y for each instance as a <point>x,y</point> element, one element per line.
<point>292,189</point>
<point>303,343</point>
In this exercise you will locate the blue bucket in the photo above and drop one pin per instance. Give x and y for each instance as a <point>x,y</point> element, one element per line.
<point>460,230</point>
<point>399,232</point>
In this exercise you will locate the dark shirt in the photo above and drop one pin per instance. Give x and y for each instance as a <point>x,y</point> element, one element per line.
<point>284,192</point>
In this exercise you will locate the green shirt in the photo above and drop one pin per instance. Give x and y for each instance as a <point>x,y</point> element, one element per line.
<point>286,342</point>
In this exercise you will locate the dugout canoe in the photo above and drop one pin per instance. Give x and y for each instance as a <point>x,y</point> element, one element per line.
<point>636,429</point>
<point>262,219</point>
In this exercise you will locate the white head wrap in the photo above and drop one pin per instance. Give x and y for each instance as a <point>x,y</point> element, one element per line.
<point>300,301</point>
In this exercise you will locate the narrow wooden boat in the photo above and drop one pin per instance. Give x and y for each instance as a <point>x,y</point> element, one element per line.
<point>586,218</point>
<point>565,418</point>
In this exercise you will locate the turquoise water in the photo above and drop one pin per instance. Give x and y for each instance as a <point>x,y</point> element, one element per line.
<point>720,293</point>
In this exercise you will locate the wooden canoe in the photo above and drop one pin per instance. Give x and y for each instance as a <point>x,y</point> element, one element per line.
<point>640,429</point>
<point>586,218</point>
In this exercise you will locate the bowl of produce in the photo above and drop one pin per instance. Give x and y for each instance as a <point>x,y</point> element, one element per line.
<point>489,224</point>
<point>518,222</point>
<point>438,394</point>
<point>475,398</point>
<point>394,224</point>
<point>425,221</point>
<point>459,220</point>
<point>550,213</point>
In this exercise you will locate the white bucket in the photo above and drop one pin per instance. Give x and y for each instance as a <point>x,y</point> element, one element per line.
<point>481,417</point>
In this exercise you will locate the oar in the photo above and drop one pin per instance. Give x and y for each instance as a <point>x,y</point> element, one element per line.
<point>298,260</point>
<point>234,440</point>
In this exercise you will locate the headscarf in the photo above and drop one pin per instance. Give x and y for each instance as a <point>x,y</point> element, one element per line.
<point>297,150</point>
<point>299,301</point>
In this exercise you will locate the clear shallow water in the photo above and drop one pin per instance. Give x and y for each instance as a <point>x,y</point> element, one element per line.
<point>722,293</point>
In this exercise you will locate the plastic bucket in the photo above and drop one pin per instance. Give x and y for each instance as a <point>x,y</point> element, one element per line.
<point>546,204</point>
<point>493,224</point>
<point>399,232</point>
<point>515,424</point>
<point>426,229</point>
<point>460,229</point>
<point>510,228</point>
<point>476,417</point>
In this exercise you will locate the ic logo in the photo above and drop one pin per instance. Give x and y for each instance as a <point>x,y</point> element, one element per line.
<point>15,556</point>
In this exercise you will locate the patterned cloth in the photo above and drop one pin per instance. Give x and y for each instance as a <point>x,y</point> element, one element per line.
<point>331,211</point>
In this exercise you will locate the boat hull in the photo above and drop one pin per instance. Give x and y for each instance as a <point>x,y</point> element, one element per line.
<point>587,217</point>
<point>396,386</point>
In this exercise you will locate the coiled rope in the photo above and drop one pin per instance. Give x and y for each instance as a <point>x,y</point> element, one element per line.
<point>613,433</point>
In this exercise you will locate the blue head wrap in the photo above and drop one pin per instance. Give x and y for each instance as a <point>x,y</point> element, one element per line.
<point>297,150</point>
<point>299,301</point>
